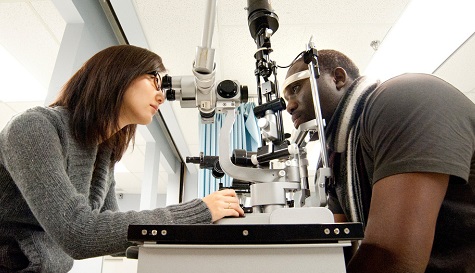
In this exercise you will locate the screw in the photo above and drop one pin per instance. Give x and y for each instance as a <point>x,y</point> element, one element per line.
<point>375,44</point>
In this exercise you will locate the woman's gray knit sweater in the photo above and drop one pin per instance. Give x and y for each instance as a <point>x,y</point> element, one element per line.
<point>57,198</point>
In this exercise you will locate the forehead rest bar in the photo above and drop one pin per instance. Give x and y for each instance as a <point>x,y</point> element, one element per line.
<point>295,77</point>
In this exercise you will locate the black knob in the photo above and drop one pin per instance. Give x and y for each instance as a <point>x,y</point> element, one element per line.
<point>207,115</point>
<point>244,93</point>
<point>217,172</point>
<point>227,89</point>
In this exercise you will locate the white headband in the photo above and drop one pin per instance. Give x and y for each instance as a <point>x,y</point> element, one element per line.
<point>295,77</point>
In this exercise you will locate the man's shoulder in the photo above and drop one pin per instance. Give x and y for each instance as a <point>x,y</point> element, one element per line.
<point>412,90</point>
<point>413,84</point>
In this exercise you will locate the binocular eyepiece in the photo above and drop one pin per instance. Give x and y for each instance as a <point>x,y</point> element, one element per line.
<point>167,88</point>
<point>226,89</point>
<point>209,101</point>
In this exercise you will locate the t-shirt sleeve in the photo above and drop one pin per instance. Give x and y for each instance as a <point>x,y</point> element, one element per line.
<point>419,123</point>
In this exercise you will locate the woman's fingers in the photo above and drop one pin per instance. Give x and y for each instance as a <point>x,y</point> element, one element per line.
<point>223,203</point>
<point>228,192</point>
<point>235,207</point>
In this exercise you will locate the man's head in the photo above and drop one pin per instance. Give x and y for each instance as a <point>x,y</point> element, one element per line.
<point>337,72</point>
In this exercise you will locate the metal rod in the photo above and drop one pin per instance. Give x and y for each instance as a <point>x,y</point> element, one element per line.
<point>318,111</point>
<point>208,29</point>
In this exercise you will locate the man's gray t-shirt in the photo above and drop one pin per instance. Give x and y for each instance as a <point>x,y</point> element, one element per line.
<point>420,123</point>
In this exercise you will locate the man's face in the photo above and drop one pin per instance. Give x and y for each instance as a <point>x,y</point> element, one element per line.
<point>299,96</point>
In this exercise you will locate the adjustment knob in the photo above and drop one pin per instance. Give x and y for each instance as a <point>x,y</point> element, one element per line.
<point>227,89</point>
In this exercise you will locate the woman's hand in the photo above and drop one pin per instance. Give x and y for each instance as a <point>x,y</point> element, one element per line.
<point>223,203</point>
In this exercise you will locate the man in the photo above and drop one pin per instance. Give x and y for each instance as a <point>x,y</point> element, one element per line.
<point>407,148</point>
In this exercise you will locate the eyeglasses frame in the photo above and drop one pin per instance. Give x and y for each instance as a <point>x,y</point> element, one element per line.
<point>157,77</point>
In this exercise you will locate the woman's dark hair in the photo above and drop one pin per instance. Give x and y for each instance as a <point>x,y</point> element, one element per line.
<point>94,95</point>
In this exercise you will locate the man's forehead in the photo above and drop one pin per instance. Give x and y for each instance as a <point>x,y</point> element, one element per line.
<point>298,76</point>
<point>298,66</point>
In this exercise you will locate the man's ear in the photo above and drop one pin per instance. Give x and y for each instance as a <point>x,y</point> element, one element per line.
<point>340,77</point>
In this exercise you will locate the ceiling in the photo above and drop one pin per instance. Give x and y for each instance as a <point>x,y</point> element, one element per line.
<point>173,30</point>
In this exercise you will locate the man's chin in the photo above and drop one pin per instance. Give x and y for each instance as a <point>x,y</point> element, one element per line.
<point>299,122</point>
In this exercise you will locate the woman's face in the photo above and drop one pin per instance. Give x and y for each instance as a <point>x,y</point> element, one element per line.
<point>141,101</point>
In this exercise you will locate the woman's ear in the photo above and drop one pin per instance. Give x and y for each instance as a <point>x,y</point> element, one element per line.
<point>340,77</point>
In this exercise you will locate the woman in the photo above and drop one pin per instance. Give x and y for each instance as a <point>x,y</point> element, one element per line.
<point>57,183</point>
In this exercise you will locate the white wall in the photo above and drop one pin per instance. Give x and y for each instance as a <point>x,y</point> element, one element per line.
<point>129,201</point>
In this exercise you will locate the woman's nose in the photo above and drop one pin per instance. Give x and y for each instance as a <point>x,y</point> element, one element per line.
<point>160,97</point>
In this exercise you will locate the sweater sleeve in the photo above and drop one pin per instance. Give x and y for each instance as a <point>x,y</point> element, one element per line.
<point>34,157</point>
<point>110,202</point>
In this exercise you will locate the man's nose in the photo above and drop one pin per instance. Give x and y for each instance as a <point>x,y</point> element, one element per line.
<point>291,106</point>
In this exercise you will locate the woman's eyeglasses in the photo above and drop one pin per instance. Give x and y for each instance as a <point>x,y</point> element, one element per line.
<point>157,78</point>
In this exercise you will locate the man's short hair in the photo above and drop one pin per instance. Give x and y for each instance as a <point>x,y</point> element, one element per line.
<point>329,59</point>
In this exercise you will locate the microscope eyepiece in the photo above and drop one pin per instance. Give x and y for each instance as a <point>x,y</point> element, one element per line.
<point>167,88</point>
<point>166,82</point>
<point>169,94</point>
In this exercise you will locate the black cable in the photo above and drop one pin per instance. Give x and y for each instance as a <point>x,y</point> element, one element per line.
<point>295,59</point>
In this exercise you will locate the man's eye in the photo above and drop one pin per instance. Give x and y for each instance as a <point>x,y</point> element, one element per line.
<point>295,89</point>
